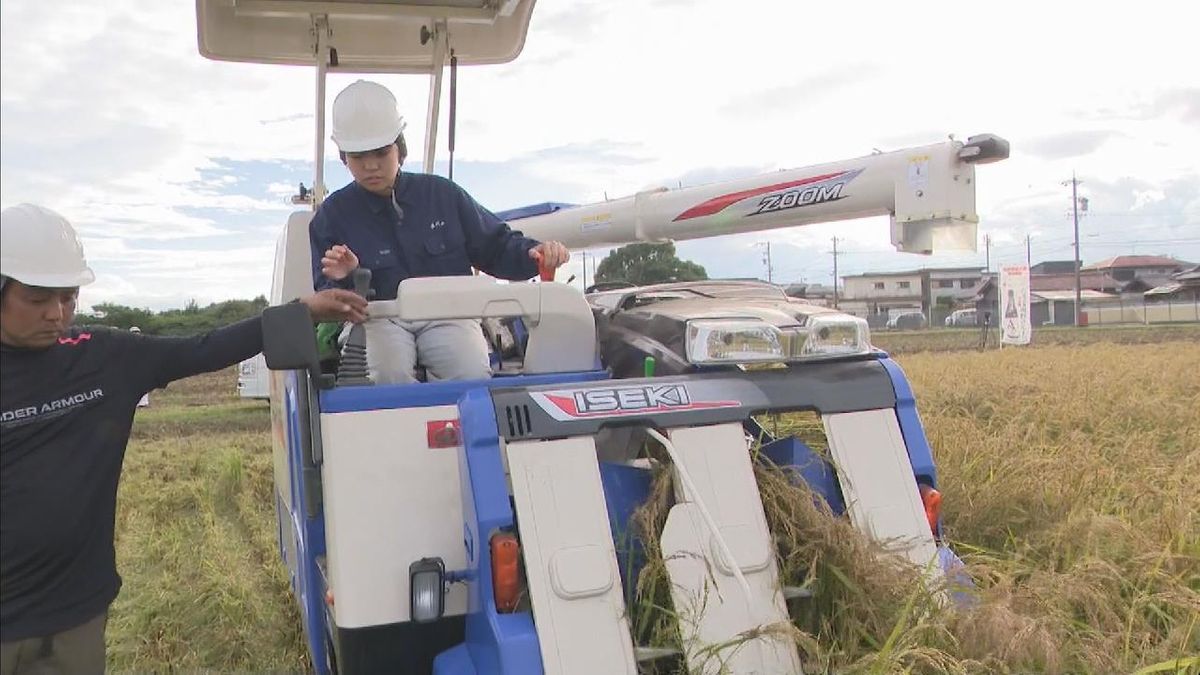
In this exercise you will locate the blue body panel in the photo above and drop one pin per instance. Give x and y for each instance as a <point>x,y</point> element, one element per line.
<point>389,396</point>
<point>625,489</point>
<point>910,425</point>
<point>532,210</point>
<point>813,468</point>
<point>309,535</point>
<point>497,643</point>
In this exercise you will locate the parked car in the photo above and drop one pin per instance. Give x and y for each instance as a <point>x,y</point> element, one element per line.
<point>963,317</point>
<point>907,321</point>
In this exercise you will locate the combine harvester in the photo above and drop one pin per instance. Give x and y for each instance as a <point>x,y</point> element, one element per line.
<point>468,527</point>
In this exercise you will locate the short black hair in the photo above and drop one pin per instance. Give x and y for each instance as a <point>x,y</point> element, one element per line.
<point>401,146</point>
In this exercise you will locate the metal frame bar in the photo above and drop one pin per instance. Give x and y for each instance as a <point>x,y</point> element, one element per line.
<point>266,8</point>
<point>441,44</point>
<point>321,34</point>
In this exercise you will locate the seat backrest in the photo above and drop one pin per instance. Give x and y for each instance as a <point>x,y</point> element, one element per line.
<point>292,277</point>
<point>562,329</point>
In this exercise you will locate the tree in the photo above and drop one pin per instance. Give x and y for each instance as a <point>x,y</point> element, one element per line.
<point>647,263</point>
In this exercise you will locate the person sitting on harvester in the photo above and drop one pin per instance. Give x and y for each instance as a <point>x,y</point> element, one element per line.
<point>401,225</point>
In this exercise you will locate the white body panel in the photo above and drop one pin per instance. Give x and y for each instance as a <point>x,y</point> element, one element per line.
<point>389,501</point>
<point>562,328</point>
<point>877,482</point>
<point>570,560</point>
<point>712,606</point>
<point>928,191</point>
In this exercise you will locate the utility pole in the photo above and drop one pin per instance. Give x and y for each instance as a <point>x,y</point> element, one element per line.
<point>1028,257</point>
<point>835,274</point>
<point>987,248</point>
<point>767,261</point>
<point>1075,210</point>
<point>585,271</point>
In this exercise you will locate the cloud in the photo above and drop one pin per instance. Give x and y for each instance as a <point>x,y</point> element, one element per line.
<point>1069,144</point>
<point>593,152</point>
<point>805,92</point>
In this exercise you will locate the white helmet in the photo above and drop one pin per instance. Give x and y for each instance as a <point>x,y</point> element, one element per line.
<point>365,117</point>
<point>134,329</point>
<point>38,247</point>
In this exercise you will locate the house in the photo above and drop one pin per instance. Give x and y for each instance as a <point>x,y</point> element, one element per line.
<point>1126,268</point>
<point>877,296</point>
<point>1183,286</point>
<point>1052,296</point>
<point>1053,267</point>
<point>817,294</point>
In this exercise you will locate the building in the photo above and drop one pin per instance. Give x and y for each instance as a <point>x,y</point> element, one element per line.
<point>1126,268</point>
<point>817,294</point>
<point>1053,267</point>
<point>931,291</point>
<point>1183,286</point>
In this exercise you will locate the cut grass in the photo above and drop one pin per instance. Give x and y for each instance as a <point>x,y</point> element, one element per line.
<point>1070,476</point>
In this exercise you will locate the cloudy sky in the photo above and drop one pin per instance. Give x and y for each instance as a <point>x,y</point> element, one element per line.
<point>177,169</point>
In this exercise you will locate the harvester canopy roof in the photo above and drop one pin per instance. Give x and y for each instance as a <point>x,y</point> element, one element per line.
<point>368,35</point>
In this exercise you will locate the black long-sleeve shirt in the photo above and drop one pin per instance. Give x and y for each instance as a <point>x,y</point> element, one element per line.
<point>65,417</point>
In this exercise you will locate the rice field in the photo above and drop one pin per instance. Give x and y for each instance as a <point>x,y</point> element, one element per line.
<point>1071,482</point>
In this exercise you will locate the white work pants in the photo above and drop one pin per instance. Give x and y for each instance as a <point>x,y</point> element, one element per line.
<point>449,350</point>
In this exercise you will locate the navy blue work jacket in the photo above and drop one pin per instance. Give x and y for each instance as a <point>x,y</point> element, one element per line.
<point>439,231</point>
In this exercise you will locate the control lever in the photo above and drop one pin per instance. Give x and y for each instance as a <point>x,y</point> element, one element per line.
<point>352,369</point>
<point>544,272</point>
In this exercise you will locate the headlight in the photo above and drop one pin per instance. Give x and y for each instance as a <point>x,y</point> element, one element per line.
<point>752,341</point>
<point>733,341</point>
<point>834,335</point>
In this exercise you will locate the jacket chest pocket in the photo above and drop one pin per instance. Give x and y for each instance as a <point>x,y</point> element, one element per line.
<point>444,249</point>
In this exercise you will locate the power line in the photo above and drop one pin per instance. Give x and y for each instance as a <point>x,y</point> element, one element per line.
<point>767,260</point>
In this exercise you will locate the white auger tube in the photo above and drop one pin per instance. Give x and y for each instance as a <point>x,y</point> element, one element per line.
<point>928,191</point>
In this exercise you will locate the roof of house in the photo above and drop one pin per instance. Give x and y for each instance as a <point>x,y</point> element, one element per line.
<point>1062,282</point>
<point>1091,281</point>
<point>1126,261</point>
<point>1192,274</point>
<point>1053,267</point>
<point>1084,294</point>
<point>916,272</point>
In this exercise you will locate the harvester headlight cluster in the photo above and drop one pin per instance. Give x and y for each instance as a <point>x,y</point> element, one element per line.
<point>746,341</point>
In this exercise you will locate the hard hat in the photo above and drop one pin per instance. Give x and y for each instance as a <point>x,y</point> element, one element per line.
<point>365,117</point>
<point>134,329</point>
<point>38,247</point>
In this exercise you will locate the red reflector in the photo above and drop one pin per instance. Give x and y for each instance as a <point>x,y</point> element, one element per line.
<point>442,433</point>
<point>506,577</point>
<point>932,499</point>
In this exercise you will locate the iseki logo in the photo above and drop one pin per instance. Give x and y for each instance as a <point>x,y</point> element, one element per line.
<point>641,398</point>
<point>574,404</point>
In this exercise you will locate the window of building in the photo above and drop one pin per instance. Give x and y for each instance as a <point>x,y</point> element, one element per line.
<point>966,283</point>
<point>879,285</point>
<point>903,284</point>
<point>945,283</point>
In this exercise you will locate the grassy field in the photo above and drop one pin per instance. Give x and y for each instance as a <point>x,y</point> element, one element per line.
<point>1071,475</point>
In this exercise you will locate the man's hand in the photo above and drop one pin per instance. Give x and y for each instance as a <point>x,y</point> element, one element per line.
<point>338,262</point>
<point>337,304</point>
<point>550,254</point>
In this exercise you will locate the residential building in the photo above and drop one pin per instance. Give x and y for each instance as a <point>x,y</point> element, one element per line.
<point>1183,286</point>
<point>1129,267</point>
<point>931,291</point>
<point>1053,267</point>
